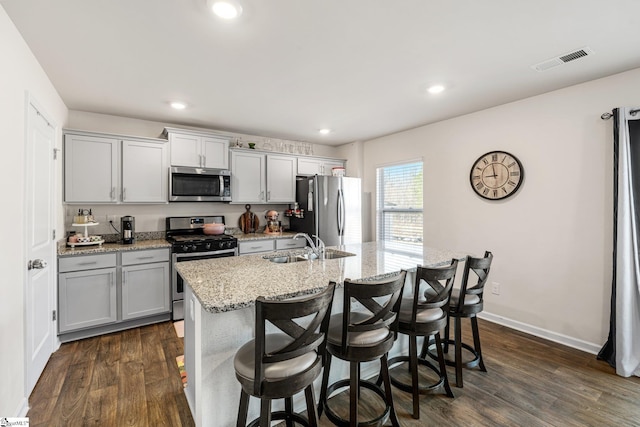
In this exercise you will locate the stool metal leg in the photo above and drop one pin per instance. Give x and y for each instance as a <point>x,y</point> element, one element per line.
<point>354,393</point>
<point>476,342</point>
<point>413,366</point>
<point>312,413</point>
<point>243,409</point>
<point>458,345</point>
<point>443,366</point>
<point>384,370</point>
<point>325,384</point>
<point>265,412</point>
<point>288,408</point>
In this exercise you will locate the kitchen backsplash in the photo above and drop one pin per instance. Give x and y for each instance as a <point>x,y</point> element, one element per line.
<point>151,218</point>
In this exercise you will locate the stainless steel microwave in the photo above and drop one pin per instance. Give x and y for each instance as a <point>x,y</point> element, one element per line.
<point>199,185</point>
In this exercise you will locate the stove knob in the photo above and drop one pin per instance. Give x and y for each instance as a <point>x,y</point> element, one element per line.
<point>185,248</point>
<point>207,246</point>
<point>194,248</point>
<point>229,245</point>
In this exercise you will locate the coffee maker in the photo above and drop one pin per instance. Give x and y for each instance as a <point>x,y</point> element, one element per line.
<point>128,226</point>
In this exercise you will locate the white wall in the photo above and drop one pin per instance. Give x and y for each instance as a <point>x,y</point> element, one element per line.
<point>552,241</point>
<point>19,73</point>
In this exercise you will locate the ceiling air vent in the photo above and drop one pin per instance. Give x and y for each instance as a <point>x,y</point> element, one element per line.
<point>563,59</point>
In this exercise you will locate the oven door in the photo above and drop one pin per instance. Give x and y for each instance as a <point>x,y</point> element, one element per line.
<point>177,284</point>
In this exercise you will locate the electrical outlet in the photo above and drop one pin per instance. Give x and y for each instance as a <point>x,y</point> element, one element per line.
<point>495,288</point>
<point>112,219</point>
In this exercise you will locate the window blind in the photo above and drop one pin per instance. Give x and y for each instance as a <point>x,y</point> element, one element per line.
<point>399,207</point>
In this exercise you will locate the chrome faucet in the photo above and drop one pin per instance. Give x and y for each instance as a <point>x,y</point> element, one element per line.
<point>318,249</point>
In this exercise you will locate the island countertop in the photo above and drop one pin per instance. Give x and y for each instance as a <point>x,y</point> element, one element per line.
<point>232,283</point>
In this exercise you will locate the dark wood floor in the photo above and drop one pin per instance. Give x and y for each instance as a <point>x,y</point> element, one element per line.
<point>128,378</point>
<point>131,378</point>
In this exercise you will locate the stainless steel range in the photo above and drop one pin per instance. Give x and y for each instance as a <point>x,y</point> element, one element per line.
<point>188,243</point>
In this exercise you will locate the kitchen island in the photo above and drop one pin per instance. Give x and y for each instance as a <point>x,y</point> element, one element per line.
<point>219,315</point>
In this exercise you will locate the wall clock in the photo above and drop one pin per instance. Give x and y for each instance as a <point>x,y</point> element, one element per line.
<point>496,175</point>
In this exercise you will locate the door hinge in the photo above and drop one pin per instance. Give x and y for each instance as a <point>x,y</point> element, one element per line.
<point>54,315</point>
<point>55,153</point>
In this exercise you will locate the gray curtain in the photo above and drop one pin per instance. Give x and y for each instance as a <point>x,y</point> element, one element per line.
<point>622,349</point>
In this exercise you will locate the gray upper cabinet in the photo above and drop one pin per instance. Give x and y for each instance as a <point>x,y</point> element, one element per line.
<point>144,172</point>
<point>100,168</point>
<point>91,169</point>
<point>198,149</point>
<point>262,178</point>
<point>317,166</point>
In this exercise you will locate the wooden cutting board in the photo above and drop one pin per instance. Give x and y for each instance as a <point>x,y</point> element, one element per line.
<point>249,222</point>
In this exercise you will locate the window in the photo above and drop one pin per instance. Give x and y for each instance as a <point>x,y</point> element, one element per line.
<point>399,210</point>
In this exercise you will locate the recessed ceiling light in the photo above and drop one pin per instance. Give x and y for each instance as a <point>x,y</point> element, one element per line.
<point>325,131</point>
<point>178,105</point>
<point>435,89</point>
<point>225,9</point>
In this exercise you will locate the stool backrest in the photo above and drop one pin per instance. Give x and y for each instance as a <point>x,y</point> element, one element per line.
<point>380,297</point>
<point>480,267</point>
<point>436,284</point>
<point>305,320</point>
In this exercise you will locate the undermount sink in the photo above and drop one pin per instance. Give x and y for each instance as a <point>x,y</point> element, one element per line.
<point>296,257</point>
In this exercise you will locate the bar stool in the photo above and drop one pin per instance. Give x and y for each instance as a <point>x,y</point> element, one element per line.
<point>279,365</point>
<point>467,302</point>
<point>363,336</point>
<point>424,315</point>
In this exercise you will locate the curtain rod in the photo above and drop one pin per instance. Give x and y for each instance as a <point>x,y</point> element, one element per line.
<point>608,115</point>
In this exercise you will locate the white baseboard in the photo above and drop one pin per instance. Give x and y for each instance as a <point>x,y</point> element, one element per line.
<point>22,409</point>
<point>542,333</point>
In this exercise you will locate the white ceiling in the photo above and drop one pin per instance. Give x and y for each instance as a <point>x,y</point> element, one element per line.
<point>287,68</point>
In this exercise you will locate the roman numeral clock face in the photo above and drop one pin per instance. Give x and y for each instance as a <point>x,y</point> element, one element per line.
<point>496,175</point>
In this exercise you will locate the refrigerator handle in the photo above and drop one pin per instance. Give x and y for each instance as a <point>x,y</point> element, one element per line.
<point>340,213</point>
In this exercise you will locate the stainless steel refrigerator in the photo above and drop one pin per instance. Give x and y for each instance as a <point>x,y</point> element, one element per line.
<point>331,207</point>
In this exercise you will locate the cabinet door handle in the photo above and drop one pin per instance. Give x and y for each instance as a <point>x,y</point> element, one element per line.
<point>204,160</point>
<point>113,193</point>
<point>262,195</point>
<point>200,159</point>
<point>124,194</point>
<point>268,195</point>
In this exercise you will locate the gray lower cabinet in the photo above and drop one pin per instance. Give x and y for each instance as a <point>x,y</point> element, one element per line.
<point>248,247</point>
<point>145,286</point>
<point>103,293</point>
<point>87,292</point>
<point>255,246</point>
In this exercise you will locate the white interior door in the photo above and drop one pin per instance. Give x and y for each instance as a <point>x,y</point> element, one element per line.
<point>40,245</point>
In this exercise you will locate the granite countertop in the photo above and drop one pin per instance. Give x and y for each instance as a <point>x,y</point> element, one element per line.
<point>64,250</point>
<point>155,243</point>
<point>232,283</point>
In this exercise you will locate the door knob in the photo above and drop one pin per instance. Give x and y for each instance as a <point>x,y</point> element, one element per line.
<point>36,264</point>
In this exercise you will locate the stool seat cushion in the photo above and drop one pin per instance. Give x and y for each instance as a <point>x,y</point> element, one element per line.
<point>422,316</point>
<point>469,299</point>
<point>244,360</point>
<point>334,336</point>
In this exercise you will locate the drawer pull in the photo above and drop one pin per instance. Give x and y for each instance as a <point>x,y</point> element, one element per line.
<point>88,263</point>
<point>255,247</point>
<point>145,257</point>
